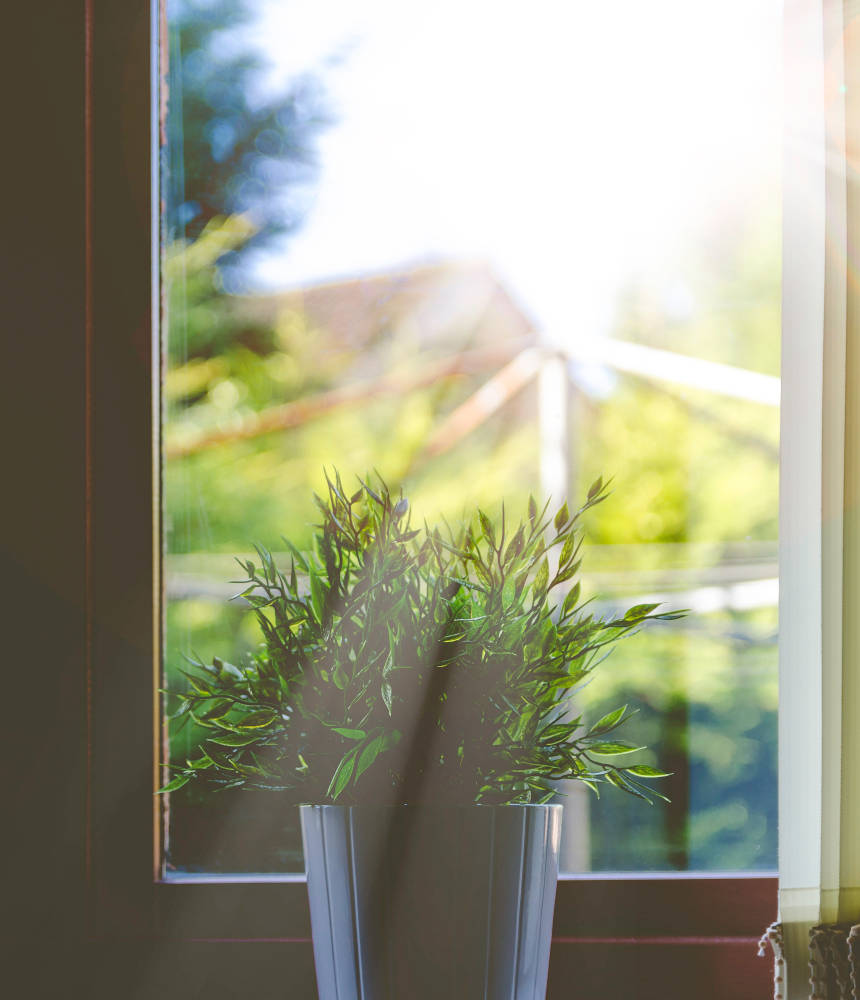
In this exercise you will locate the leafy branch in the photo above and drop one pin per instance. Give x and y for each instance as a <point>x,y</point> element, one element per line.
<point>403,664</point>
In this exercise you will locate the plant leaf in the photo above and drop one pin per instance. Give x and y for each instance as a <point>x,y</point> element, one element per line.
<point>340,778</point>
<point>646,771</point>
<point>317,595</point>
<point>542,577</point>
<point>233,739</point>
<point>595,488</point>
<point>567,549</point>
<point>640,610</point>
<point>571,599</point>
<point>218,759</point>
<point>257,720</point>
<point>608,722</point>
<point>487,528</point>
<point>339,677</point>
<point>613,748</point>
<point>175,784</point>
<point>369,754</point>
<point>388,696</point>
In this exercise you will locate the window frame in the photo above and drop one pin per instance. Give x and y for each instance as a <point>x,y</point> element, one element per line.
<point>611,932</point>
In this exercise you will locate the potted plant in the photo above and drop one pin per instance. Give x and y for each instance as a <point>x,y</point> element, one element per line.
<point>413,694</point>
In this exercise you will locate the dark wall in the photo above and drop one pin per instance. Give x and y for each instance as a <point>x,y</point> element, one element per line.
<point>42,484</point>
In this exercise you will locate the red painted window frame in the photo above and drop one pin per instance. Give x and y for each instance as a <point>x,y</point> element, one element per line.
<point>638,935</point>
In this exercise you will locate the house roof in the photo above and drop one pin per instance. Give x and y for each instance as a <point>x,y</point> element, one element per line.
<point>441,308</point>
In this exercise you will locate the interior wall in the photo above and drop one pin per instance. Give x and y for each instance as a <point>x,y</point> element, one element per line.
<point>43,490</point>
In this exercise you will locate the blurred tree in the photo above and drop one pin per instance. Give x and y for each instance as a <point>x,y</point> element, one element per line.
<point>693,466</point>
<point>696,475</point>
<point>235,146</point>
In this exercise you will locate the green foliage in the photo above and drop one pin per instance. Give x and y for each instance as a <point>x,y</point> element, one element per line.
<point>404,665</point>
<point>686,477</point>
<point>234,147</point>
<point>706,700</point>
<point>695,466</point>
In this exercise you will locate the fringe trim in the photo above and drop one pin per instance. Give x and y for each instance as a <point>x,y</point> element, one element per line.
<point>834,961</point>
<point>773,937</point>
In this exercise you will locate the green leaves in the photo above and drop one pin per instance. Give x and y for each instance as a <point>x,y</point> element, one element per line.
<point>567,549</point>
<point>646,771</point>
<point>218,759</point>
<point>639,611</point>
<point>178,782</point>
<point>256,720</point>
<point>388,696</point>
<point>487,528</point>
<point>609,722</point>
<point>571,599</point>
<point>515,546</point>
<point>541,579</point>
<point>369,754</point>
<point>232,740</point>
<point>612,748</point>
<point>448,639</point>
<point>318,595</point>
<point>340,778</point>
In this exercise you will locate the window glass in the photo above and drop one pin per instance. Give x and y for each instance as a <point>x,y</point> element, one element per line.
<point>488,250</point>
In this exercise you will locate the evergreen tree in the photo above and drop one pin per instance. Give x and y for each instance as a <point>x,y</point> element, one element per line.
<point>232,146</point>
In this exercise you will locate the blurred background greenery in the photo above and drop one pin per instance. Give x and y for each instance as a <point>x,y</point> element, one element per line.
<point>414,372</point>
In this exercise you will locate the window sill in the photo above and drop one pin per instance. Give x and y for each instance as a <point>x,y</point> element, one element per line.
<point>644,935</point>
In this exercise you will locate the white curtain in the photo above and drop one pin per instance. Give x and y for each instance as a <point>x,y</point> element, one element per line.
<point>819,517</point>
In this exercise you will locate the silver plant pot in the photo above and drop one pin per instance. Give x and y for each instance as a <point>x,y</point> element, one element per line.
<point>431,903</point>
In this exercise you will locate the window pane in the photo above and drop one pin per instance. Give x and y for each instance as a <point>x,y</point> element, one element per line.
<point>488,250</point>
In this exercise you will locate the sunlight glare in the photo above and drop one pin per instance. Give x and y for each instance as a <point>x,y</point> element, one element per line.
<point>570,144</point>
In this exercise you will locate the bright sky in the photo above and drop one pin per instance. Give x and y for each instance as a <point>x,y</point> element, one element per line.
<point>569,143</point>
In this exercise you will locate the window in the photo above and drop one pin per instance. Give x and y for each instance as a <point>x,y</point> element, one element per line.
<point>124,638</point>
<point>524,267</point>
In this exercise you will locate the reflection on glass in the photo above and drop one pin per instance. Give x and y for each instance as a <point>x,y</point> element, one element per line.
<point>489,250</point>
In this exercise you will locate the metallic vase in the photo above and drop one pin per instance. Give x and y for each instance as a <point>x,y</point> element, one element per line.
<point>431,903</point>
